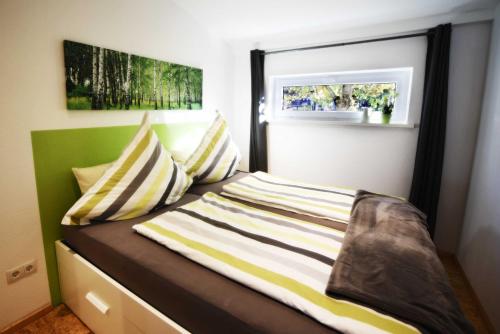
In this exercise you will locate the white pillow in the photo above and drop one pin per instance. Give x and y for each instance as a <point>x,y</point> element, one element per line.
<point>180,156</point>
<point>88,176</point>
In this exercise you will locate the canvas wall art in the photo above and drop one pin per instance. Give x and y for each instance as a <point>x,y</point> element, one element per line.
<point>103,79</point>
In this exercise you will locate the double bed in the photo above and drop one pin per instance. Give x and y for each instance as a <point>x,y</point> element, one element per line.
<point>213,251</point>
<point>198,299</point>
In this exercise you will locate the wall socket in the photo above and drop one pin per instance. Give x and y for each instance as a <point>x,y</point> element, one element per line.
<point>25,269</point>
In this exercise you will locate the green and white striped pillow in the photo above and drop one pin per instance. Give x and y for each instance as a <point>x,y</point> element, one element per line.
<point>217,157</point>
<point>143,179</point>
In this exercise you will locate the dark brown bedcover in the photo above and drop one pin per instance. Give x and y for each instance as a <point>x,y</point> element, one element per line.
<point>389,262</point>
<point>195,297</point>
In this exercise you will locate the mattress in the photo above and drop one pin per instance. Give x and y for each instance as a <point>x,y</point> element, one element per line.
<point>195,297</point>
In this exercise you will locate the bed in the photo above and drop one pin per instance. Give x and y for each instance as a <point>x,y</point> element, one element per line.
<point>120,281</point>
<point>195,297</point>
<point>200,300</point>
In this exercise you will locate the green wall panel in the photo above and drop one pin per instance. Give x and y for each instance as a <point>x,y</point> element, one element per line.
<point>55,152</point>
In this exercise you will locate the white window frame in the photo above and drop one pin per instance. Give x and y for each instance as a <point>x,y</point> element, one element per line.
<point>401,76</point>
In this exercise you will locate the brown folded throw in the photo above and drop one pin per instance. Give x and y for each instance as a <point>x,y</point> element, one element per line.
<point>388,262</point>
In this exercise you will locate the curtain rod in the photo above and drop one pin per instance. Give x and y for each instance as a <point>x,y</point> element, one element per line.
<point>381,39</point>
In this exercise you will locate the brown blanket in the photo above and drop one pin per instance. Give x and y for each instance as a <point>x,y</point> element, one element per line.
<point>389,262</point>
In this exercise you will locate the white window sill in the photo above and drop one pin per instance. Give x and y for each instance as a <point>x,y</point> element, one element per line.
<point>342,122</point>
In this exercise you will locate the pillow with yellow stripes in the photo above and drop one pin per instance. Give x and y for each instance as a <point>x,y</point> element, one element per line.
<point>217,156</point>
<point>143,179</point>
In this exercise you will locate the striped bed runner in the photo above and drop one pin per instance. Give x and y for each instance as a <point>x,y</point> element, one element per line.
<point>313,200</point>
<point>287,259</point>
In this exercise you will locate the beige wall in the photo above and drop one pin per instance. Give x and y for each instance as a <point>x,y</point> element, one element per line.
<point>479,251</point>
<point>32,96</point>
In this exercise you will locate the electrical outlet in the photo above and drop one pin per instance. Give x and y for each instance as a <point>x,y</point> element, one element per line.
<point>15,274</point>
<point>29,267</point>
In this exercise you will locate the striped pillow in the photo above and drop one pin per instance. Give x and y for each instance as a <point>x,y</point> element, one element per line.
<point>144,178</point>
<point>217,157</point>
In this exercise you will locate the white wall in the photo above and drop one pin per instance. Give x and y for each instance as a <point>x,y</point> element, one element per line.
<point>338,155</point>
<point>468,62</point>
<point>377,159</point>
<point>32,96</point>
<point>479,251</point>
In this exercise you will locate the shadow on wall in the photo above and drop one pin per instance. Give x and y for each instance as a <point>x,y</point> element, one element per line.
<point>484,268</point>
<point>486,239</point>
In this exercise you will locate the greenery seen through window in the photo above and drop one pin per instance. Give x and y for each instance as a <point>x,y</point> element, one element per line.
<point>340,97</point>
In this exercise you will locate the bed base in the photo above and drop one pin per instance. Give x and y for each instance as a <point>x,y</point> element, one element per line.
<point>103,304</point>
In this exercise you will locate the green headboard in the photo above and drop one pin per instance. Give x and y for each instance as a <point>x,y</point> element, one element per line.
<point>55,152</point>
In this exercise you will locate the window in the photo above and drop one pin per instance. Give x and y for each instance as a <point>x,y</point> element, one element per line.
<point>359,96</point>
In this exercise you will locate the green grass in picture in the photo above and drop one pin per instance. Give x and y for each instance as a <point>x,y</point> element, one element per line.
<point>79,103</point>
<point>173,106</point>
<point>84,103</point>
<point>103,79</point>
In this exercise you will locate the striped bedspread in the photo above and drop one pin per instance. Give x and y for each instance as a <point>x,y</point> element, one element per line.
<point>287,259</point>
<point>324,202</point>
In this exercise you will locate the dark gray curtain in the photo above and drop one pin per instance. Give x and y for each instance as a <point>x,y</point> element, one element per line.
<point>258,135</point>
<point>426,182</point>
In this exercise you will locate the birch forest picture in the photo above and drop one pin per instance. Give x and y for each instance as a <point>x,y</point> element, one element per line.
<point>103,79</point>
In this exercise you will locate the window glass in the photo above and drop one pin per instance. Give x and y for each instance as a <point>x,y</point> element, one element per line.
<point>340,97</point>
<point>360,96</point>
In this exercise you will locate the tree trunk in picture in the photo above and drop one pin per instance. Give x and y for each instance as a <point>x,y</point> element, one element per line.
<point>161,85</point>
<point>139,91</point>
<point>123,75</point>
<point>100,80</point>
<point>118,75</point>
<point>169,86</point>
<point>178,96</point>
<point>126,86</point>
<point>106,80</point>
<point>133,91</point>
<point>200,94</point>
<point>178,87</point>
<point>116,86</point>
<point>111,79</point>
<point>135,96</point>
<point>196,95</point>
<point>73,76</point>
<point>154,85</point>
<point>94,77</point>
<point>188,90</point>
<point>168,78</point>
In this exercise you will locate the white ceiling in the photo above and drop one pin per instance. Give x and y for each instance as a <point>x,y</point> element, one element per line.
<point>244,19</point>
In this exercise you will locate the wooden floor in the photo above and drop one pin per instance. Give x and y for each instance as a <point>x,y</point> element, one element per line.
<point>62,321</point>
<point>468,300</point>
<point>59,321</point>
